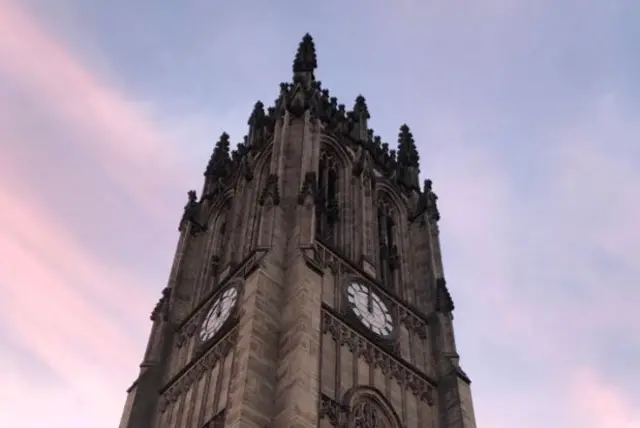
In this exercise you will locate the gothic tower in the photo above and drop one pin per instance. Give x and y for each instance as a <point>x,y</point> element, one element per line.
<point>307,287</point>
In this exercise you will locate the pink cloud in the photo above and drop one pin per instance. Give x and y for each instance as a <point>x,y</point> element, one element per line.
<point>115,129</point>
<point>598,404</point>
<point>61,305</point>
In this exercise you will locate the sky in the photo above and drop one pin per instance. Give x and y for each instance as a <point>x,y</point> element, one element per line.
<point>527,118</point>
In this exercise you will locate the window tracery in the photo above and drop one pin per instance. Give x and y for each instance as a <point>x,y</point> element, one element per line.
<point>327,207</point>
<point>365,415</point>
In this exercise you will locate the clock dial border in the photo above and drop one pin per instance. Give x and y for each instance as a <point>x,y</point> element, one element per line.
<point>206,332</point>
<point>385,309</point>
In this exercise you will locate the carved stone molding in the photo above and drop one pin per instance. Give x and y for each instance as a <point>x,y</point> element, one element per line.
<point>309,188</point>
<point>391,366</point>
<point>270,190</point>
<point>243,270</point>
<point>195,372</point>
<point>323,257</point>
<point>333,411</point>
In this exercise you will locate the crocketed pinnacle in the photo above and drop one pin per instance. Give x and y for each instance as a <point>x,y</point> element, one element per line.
<point>305,60</point>
<point>360,107</point>
<point>257,115</point>
<point>407,151</point>
<point>220,158</point>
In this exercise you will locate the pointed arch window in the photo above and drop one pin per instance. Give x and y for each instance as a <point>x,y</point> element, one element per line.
<point>388,249</point>
<point>327,197</point>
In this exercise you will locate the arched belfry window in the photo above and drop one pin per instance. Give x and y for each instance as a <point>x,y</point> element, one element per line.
<point>327,207</point>
<point>388,248</point>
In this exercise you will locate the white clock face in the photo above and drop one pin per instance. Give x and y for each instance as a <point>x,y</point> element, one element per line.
<point>218,314</point>
<point>370,309</point>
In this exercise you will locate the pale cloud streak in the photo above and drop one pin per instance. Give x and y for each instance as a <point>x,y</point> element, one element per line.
<point>114,129</point>
<point>83,319</point>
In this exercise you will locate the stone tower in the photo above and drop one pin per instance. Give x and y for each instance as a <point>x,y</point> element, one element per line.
<point>307,288</point>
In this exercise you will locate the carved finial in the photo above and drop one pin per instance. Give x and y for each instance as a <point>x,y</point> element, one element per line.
<point>305,60</point>
<point>220,157</point>
<point>407,151</point>
<point>360,107</point>
<point>257,115</point>
<point>444,302</point>
<point>427,186</point>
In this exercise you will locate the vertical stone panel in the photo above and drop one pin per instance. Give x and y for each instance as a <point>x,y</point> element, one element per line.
<point>379,380</point>
<point>411,420</point>
<point>329,289</point>
<point>363,372</point>
<point>209,397</point>
<point>187,407</point>
<point>198,395</point>
<point>328,366</point>
<point>405,350</point>
<point>395,397</point>
<point>346,369</point>
<point>173,414</point>
<point>223,385</point>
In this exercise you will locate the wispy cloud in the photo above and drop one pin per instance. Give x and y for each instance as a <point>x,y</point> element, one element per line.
<point>113,128</point>
<point>545,267</point>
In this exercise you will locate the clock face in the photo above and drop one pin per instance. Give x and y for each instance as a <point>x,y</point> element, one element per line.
<point>218,314</point>
<point>370,309</point>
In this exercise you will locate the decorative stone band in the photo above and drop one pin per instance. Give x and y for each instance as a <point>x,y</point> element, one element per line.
<point>324,257</point>
<point>241,271</point>
<point>408,377</point>
<point>195,372</point>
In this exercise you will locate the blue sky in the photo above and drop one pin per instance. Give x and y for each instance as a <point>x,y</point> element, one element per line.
<point>527,119</point>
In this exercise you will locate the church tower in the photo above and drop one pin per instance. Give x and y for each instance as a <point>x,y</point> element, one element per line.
<point>307,288</point>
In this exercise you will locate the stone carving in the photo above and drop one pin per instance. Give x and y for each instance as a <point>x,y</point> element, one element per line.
<point>309,188</point>
<point>332,410</point>
<point>192,215</point>
<point>205,363</point>
<point>365,415</point>
<point>161,310</point>
<point>270,191</point>
<point>324,257</point>
<point>243,269</point>
<point>420,385</point>
<point>444,302</point>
